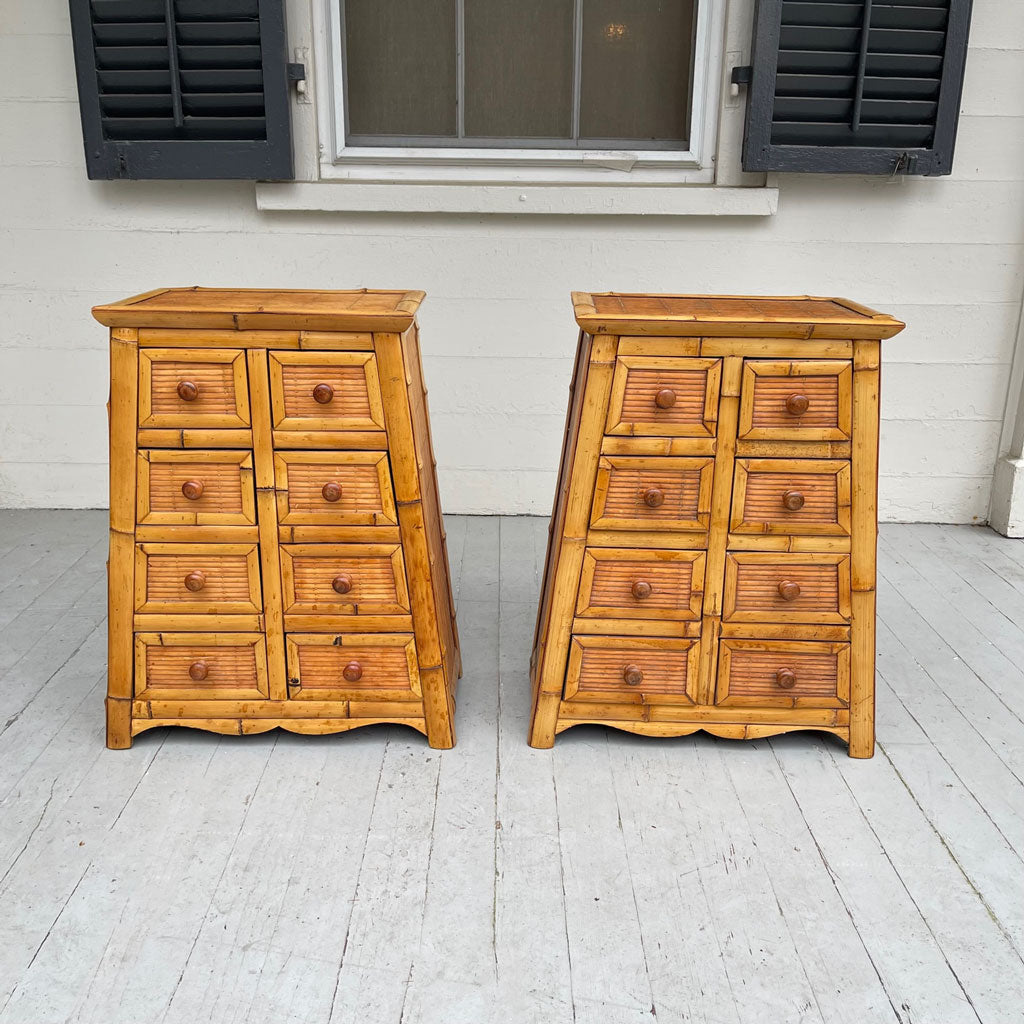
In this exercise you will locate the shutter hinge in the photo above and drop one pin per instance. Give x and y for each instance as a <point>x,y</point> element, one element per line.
<point>297,74</point>
<point>742,74</point>
<point>905,164</point>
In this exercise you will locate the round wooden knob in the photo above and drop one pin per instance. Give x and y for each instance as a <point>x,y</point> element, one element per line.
<point>195,581</point>
<point>323,393</point>
<point>198,671</point>
<point>342,583</point>
<point>640,589</point>
<point>633,675</point>
<point>331,491</point>
<point>786,678</point>
<point>653,497</point>
<point>353,671</point>
<point>665,398</point>
<point>187,391</point>
<point>796,405</point>
<point>788,590</point>
<point>792,500</point>
<point>192,489</point>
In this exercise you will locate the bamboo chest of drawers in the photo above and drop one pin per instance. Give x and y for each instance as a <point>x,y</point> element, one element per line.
<point>711,562</point>
<point>277,555</point>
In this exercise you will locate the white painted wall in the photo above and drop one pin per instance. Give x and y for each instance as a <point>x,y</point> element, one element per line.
<point>946,255</point>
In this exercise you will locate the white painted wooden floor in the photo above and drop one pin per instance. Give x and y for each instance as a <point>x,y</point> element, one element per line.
<point>365,878</point>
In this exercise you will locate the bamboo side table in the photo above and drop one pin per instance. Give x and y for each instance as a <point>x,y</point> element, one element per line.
<point>711,562</point>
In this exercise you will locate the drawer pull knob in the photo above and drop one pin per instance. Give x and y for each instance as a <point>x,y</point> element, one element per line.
<point>653,497</point>
<point>187,391</point>
<point>786,678</point>
<point>353,672</point>
<point>665,398</point>
<point>331,491</point>
<point>195,581</point>
<point>323,393</point>
<point>198,671</point>
<point>788,590</point>
<point>792,500</point>
<point>633,675</point>
<point>342,583</point>
<point>192,489</point>
<point>641,589</point>
<point>796,405</point>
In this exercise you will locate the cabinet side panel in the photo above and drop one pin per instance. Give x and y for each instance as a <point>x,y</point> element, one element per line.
<point>123,412</point>
<point>863,541</point>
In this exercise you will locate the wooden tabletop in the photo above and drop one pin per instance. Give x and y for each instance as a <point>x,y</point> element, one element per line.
<point>789,316</point>
<point>256,309</point>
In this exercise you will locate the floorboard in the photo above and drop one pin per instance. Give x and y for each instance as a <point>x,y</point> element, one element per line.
<point>366,879</point>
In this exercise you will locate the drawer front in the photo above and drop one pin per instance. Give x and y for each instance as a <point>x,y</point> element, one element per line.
<point>193,388</point>
<point>325,391</point>
<point>771,587</point>
<point>352,667</point>
<point>200,666</point>
<point>641,584</point>
<point>783,674</point>
<point>664,397</point>
<point>791,496</point>
<point>344,579</point>
<point>190,579</point>
<point>334,489</point>
<point>632,670</point>
<point>652,494</point>
<point>801,400</point>
<point>195,489</point>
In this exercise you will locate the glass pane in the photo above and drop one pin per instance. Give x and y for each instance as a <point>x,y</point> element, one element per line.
<point>400,67</point>
<point>519,69</point>
<point>637,69</point>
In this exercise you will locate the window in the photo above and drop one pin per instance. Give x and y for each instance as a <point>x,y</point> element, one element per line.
<point>535,74</point>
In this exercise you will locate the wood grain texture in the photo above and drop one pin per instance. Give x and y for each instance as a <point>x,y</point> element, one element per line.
<point>236,666</point>
<point>229,583</point>
<point>317,663</point>
<point>682,488</point>
<point>226,496</point>
<point>687,388</point>
<point>768,385</point>
<point>761,486</point>
<point>748,673</point>
<point>220,385</point>
<point>366,497</point>
<point>374,575</point>
<point>352,383</point>
<point>754,584</point>
<point>663,669</point>
<point>641,584</point>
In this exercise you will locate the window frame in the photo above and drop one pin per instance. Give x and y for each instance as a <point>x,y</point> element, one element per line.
<point>498,165</point>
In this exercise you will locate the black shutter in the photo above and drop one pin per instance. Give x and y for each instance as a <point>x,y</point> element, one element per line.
<point>183,88</point>
<point>856,86</point>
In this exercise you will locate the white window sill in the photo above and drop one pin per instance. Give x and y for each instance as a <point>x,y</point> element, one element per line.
<point>664,201</point>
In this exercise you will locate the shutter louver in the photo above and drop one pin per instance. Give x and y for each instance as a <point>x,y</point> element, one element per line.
<point>856,86</point>
<point>183,88</point>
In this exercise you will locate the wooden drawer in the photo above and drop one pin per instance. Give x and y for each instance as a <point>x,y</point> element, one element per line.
<point>634,670</point>
<point>796,400</point>
<point>783,674</point>
<point>195,488</point>
<point>344,579</point>
<point>200,666</point>
<point>664,396</point>
<point>325,391</point>
<point>334,489</point>
<point>781,587</point>
<point>193,388</point>
<point>354,666</point>
<point>791,496</point>
<point>190,579</point>
<point>652,494</point>
<point>641,584</point>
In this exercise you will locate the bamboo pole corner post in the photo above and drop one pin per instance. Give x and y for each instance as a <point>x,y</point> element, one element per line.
<point>243,422</point>
<point>779,398</point>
